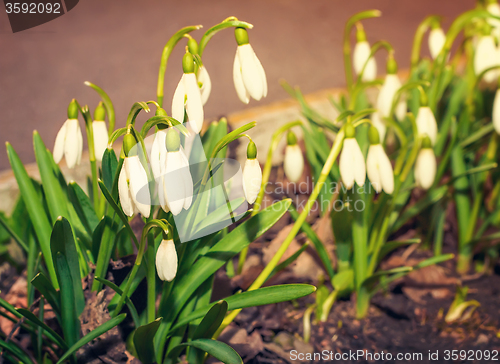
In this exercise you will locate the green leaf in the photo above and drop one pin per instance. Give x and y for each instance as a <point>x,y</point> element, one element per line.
<point>374,278</point>
<point>15,350</point>
<point>393,245</point>
<point>62,241</point>
<point>30,316</point>
<point>35,209</point>
<point>12,233</point>
<point>288,261</point>
<point>109,168</point>
<point>41,282</point>
<point>211,322</point>
<point>344,281</point>
<point>217,349</point>
<point>93,335</point>
<point>83,207</point>
<point>143,341</point>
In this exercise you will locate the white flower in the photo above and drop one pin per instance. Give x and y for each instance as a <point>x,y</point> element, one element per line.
<point>252,179</point>
<point>379,124</point>
<point>293,163</point>
<point>206,84</point>
<point>361,53</point>
<point>188,96</point>
<point>496,112</point>
<point>69,142</point>
<point>386,96</point>
<point>177,182</point>
<point>100,132</point>
<point>248,74</point>
<point>437,39</point>
<point>486,56</point>
<point>425,168</point>
<point>352,164</point>
<point>426,123</point>
<point>166,260</point>
<point>133,187</point>
<point>158,150</point>
<point>379,169</point>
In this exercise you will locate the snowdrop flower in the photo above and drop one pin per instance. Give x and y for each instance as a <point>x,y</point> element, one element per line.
<point>252,174</point>
<point>487,55</point>
<point>69,139</point>
<point>133,188</point>
<point>378,165</point>
<point>177,180</point>
<point>158,149</point>
<point>425,166</point>
<point>248,74</point>
<point>100,132</point>
<point>166,260</point>
<point>496,112</point>
<point>294,160</point>
<point>437,39</point>
<point>187,96</point>
<point>391,85</point>
<point>426,123</point>
<point>378,123</point>
<point>352,162</point>
<point>361,55</point>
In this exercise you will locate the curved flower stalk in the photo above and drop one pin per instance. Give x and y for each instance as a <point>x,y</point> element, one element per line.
<point>176,177</point>
<point>187,96</point>
<point>425,165</point>
<point>426,123</point>
<point>352,163</point>
<point>496,112</point>
<point>361,56</point>
<point>69,139</point>
<point>252,174</point>
<point>294,160</point>
<point>166,258</point>
<point>437,38</point>
<point>378,165</point>
<point>133,188</point>
<point>248,74</point>
<point>100,131</point>
<point>487,55</point>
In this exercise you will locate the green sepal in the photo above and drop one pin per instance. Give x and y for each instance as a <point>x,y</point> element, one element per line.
<point>172,141</point>
<point>188,63</point>
<point>373,135</point>
<point>291,138</point>
<point>73,110</point>
<point>100,112</point>
<point>251,150</point>
<point>241,36</point>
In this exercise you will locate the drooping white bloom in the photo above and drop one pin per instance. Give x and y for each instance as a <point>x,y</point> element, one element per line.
<point>166,260</point>
<point>187,97</point>
<point>69,143</point>
<point>252,179</point>
<point>385,98</point>
<point>437,39</point>
<point>379,124</point>
<point>100,132</point>
<point>293,163</point>
<point>352,164</point>
<point>487,55</point>
<point>205,84</point>
<point>426,123</point>
<point>133,187</point>
<point>496,112</point>
<point>425,168</point>
<point>248,74</point>
<point>361,54</point>
<point>379,169</point>
<point>177,182</point>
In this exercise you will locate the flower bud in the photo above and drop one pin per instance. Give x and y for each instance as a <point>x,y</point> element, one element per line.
<point>425,165</point>
<point>166,260</point>
<point>188,63</point>
<point>294,160</point>
<point>73,110</point>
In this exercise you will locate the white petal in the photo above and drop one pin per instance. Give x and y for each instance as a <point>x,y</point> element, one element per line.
<point>206,84</point>
<point>173,182</point>
<point>71,143</point>
<point>262,75</point>
<point>346,164</point>
<point>359,163</point>
<point>238,81</point>
<point>138,184</point>
<point>250,72</point>
<point>157,149</point>
<point>384,101</point>
<point>426,123</point>
<point>401,108</point>
<point>386,171</point>
<point>166,260</point>
<point>425,168</point>
<point>79,145</point>
<point>178,101</point>
<point>124,193</point>
<point>187,179</point>
<point>252,179</point>
<point>494,9</point>
<point>486,56</point>
<point>100,138</point>
<point>437,39</point>
<point>360,56</point>
<point>194,105</point>
<point>372,167</point>
<point>293,163</point>
<point>59,143</point>
<point>496,112</point>
<point>379,124</point>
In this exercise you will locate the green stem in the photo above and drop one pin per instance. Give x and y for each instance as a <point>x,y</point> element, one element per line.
<point>417,40</point>
<point>151,280</point>
<point>227,23</point>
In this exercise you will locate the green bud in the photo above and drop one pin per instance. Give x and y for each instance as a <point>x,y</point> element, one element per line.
<point>350,131</point>
<point>424,100</point>
<point>435,24</point>
<point>251,150</point>
<point>426,143</point>
<point>100,112</point>
<point>192,46</point>
<point>373,135</point>
<point>167,235</point>
<point>241,35</point>
<point>291,138</point>
<point>360,35</point>
<point>128,143</point>
<point>160,112</point>
<point>188,63</point>
<point>73,110</point>
<point>392,65</point>
<point>172,141</point>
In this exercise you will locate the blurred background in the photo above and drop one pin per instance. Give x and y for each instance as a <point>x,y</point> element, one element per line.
<point>117,45</point>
